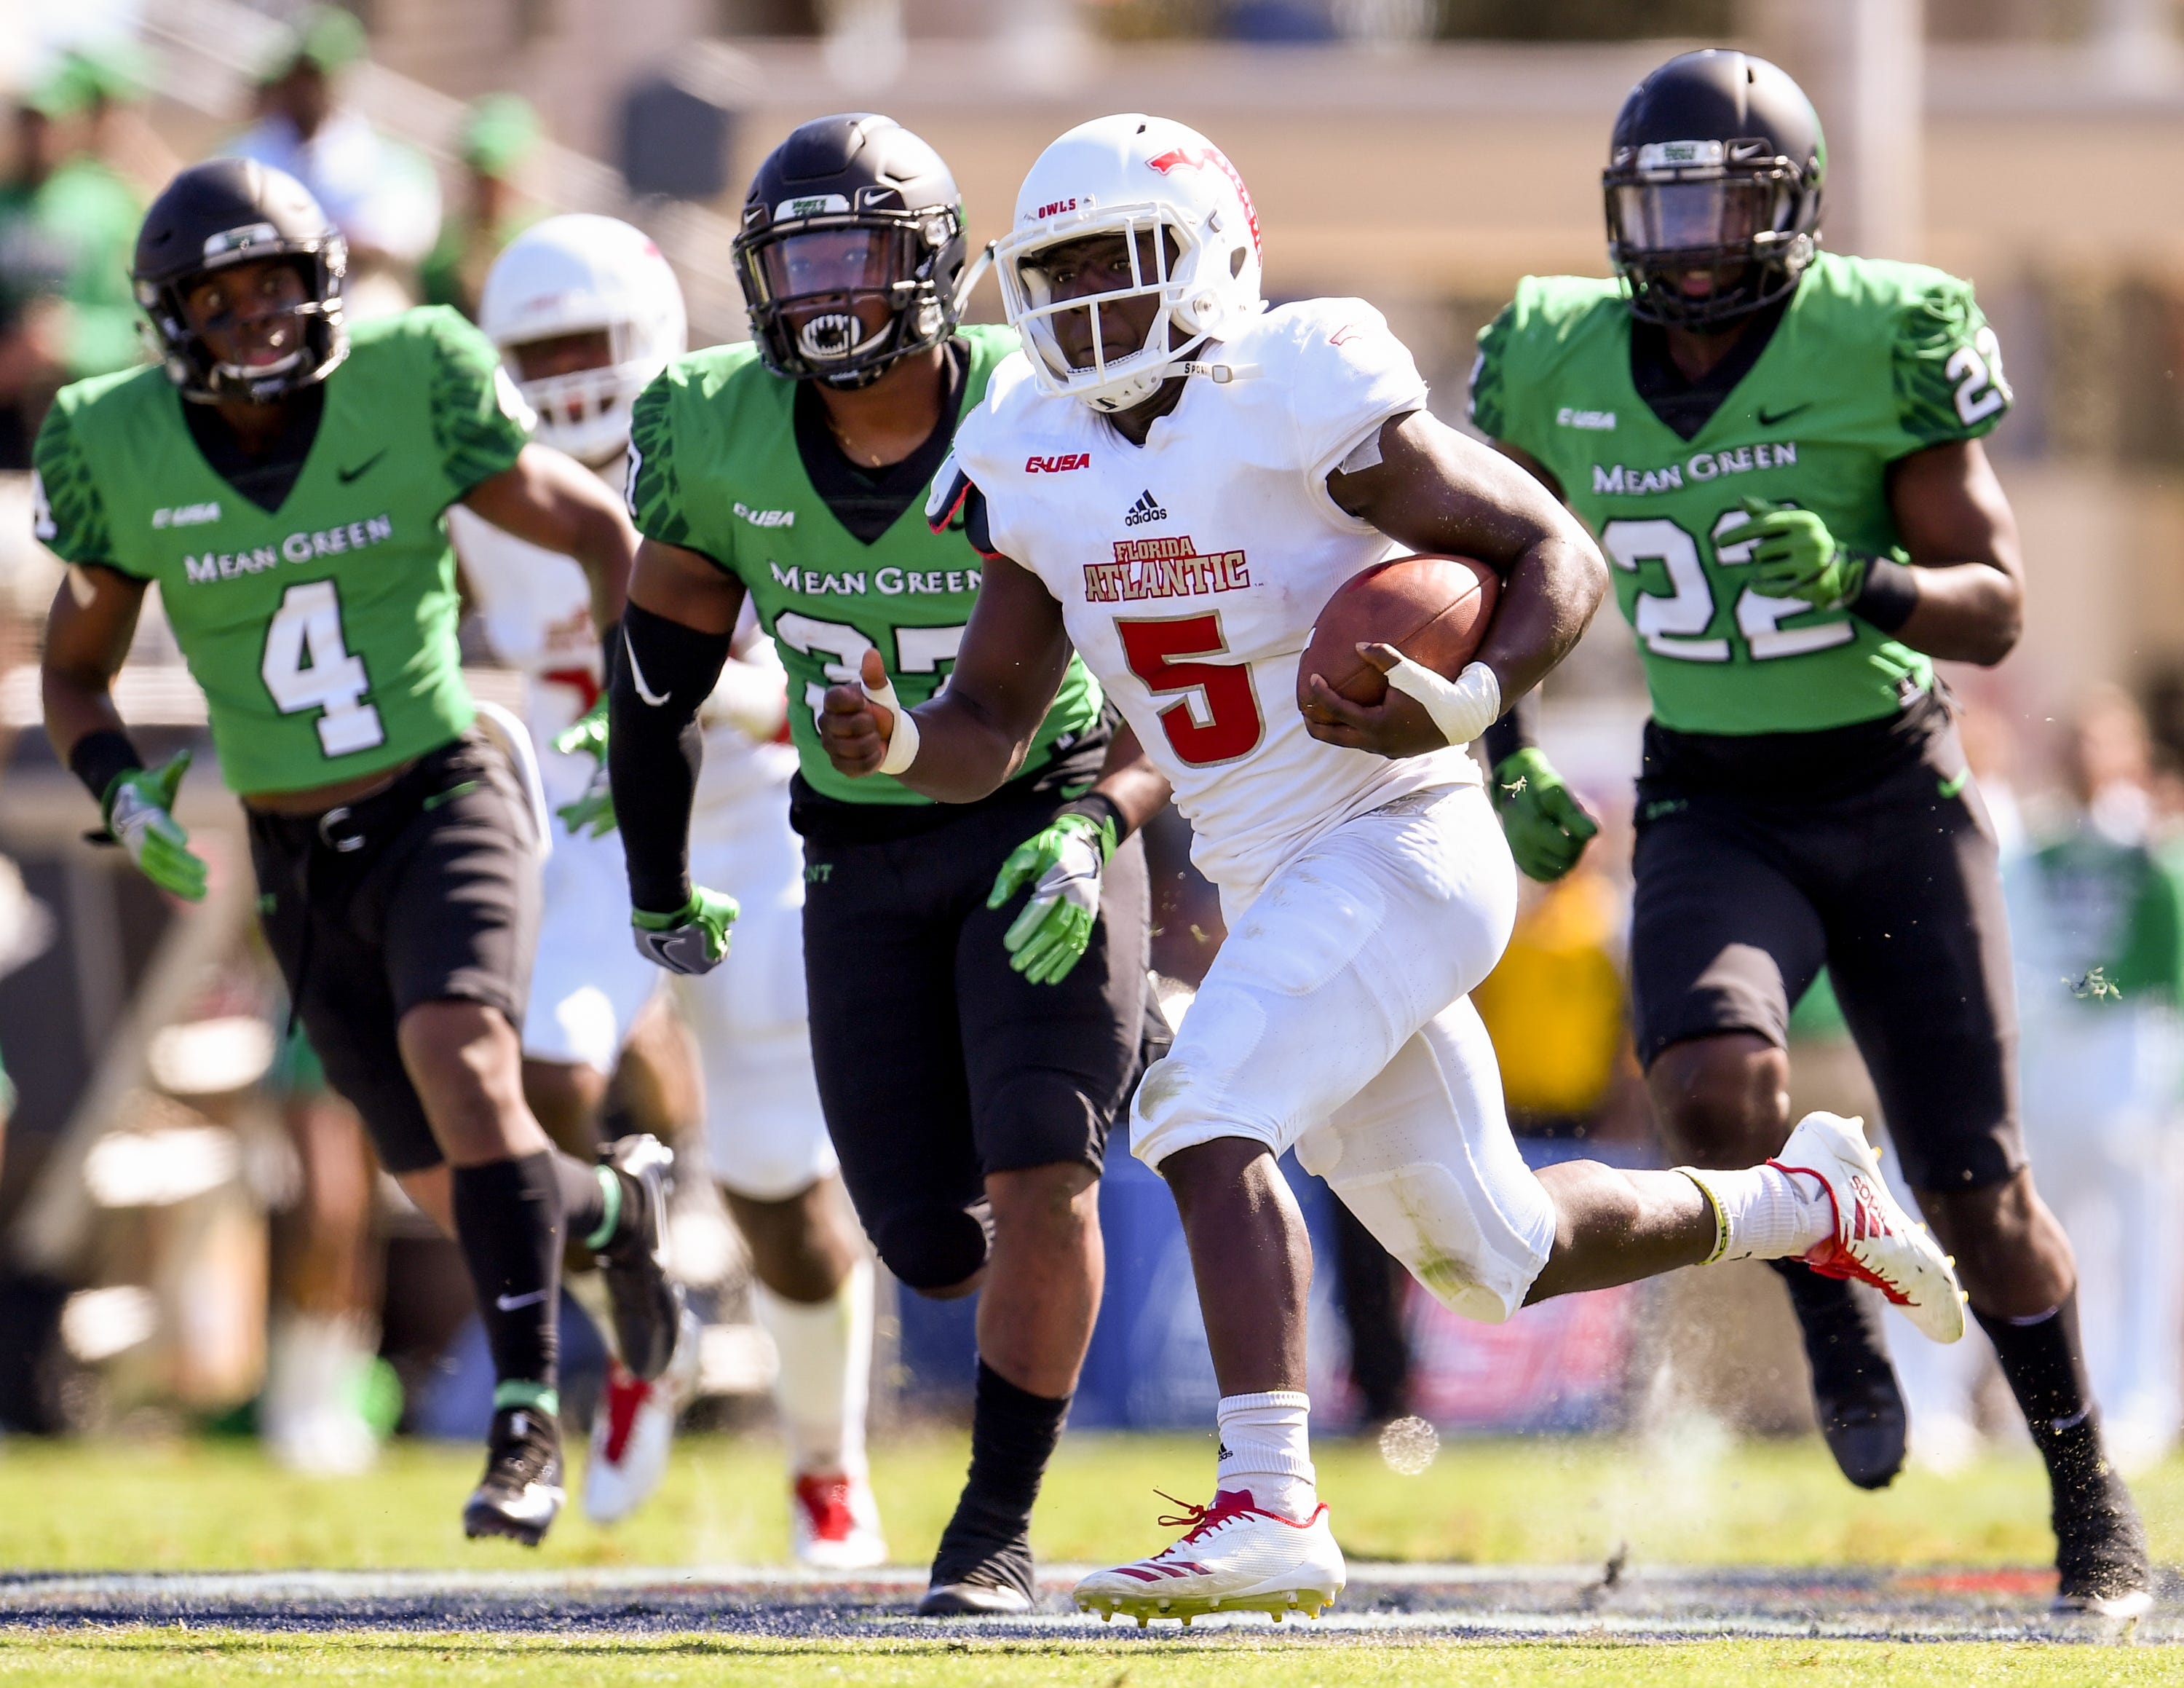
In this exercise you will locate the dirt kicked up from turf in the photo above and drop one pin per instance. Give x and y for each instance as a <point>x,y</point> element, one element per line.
<point>1494,1603</point>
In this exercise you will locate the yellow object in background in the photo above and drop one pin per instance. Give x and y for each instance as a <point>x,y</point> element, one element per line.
<point>1554,1005</point>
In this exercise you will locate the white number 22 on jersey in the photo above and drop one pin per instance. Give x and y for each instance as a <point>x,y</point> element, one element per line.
<point>308,625</point>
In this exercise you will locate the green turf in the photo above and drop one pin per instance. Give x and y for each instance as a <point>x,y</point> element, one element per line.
<point>194,1658</point>
<point>221,1504</point>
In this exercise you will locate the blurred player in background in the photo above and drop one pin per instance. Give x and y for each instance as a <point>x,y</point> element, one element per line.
<point>970,1054</point>
<point>1779,448</point>
<point>1233,466</point>
<point>585,312</point>
<point>282,480</point>
<point>500,132</point>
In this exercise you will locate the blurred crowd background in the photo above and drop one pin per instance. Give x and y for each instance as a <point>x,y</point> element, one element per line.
<point>178,1188</point>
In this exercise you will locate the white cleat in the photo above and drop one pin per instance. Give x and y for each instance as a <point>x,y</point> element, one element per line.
<point>1875,1242</point>
<point>1233,1558</point>
<point>834,1525</point>
<point>633,1430</point>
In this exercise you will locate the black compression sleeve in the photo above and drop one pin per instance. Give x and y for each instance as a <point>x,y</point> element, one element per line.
<point>101,758</point>
<point>1513,731</point>
<point>655,749</point>
<point>1888,595</point>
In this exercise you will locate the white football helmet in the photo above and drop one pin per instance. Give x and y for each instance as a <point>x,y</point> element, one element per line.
<point>572,275</point>
<point>1126,175</point>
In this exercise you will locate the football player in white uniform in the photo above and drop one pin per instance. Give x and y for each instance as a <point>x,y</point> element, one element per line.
<point>586,311</point>
<point>1172,479</point>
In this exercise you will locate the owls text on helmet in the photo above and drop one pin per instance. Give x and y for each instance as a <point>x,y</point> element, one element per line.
<point>584,274</point>
<point>1133,176</point>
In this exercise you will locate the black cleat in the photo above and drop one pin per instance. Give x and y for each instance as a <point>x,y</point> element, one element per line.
<point>2100,1548</point>
<point>977,1573</point>
<point>647,1302</point>
<point>1855,1395</point>
<point>521,1491</point>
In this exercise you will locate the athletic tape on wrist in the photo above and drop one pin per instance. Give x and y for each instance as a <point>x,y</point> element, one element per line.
<point>902,743</point>
<point>1463,707</point>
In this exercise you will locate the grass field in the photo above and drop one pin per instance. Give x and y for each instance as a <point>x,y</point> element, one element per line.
<point>215,1505</point>
<point>221,1504</point>
<point>199,1660</point>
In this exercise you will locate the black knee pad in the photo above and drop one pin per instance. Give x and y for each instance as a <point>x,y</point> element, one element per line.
<point>932,1249</point>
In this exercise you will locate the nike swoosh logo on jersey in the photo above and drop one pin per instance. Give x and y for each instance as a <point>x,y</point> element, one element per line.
<point>1781,417</point>
<point>345,475</point>
<point>637,675</point>
<point>509,1303</point>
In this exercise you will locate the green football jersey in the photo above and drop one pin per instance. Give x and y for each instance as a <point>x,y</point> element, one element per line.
<point>1872,360</point>
<point>714,467</point>
<point>323,633</point>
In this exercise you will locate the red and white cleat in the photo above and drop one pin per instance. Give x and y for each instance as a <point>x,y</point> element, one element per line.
<point>1875,1242</point>
<point>834,1525</point>
<point>1233,1558</point>
<point>631,1432</point>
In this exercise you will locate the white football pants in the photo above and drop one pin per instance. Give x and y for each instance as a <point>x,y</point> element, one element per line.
<point>1335,1021</point>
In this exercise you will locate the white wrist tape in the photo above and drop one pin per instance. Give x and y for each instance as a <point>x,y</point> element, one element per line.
<point>1462,707</point>
<point>902,743</point>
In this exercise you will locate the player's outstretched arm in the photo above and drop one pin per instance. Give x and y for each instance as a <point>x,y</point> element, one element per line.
<point>969,738</point>
<point>674,635</point>
<point>1437,490</point>
<point>558,505</point>
<point>87,635</point>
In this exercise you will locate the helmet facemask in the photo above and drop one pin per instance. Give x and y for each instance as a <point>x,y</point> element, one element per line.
<point>1165,257</point>
<point>585,412</point>
<point>320,340</point>
<point>1678,209</point>
<point>810,281</point>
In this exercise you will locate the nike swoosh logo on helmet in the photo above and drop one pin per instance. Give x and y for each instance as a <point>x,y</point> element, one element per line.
<point>509,1303</point>
<point>655,698</point>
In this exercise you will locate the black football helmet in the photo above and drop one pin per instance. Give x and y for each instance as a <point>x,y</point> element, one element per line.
<point>1716,167</point>
<point>230,211</point>
<point>847,209</point>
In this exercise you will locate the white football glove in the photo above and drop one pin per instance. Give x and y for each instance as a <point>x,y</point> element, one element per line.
<point>1462,707</point>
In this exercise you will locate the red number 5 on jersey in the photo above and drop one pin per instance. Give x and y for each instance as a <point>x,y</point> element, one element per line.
<point>1232,725</point>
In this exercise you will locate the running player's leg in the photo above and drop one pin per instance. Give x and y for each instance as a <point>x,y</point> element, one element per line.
<point>1333,1020</point>
<point>1918,944</point>
<point>768,1147</point>
<point>1049,1065</point>
<point>1722,941</point>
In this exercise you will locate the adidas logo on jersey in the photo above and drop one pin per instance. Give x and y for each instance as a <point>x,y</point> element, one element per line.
<point>1146,509</point>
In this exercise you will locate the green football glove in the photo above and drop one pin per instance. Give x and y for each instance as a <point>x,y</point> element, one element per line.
<point>1062,865</point>
<point>694,939</point>
<point>593,811</point>
<point>1794,555</point>
<point>139,809</point>
<point>1547,827</point>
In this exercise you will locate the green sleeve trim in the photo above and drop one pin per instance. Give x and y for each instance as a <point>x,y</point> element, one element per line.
<point>68,514</point>
<point>655,490</point>
<point>478,423</point>
<point>1488,399</point>
<point>1947,367</point>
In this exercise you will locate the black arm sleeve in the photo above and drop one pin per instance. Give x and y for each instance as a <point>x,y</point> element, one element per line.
<point>655,749</point>
<point>1514,731</point>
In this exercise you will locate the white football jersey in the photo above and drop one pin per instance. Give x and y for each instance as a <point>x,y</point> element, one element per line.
<point>535,608</point>
<point>1191,569</point>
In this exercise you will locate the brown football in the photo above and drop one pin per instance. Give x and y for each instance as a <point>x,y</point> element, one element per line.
<point>1433,609</point>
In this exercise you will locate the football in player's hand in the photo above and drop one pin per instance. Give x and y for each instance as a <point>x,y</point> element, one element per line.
<point>1433,609</point>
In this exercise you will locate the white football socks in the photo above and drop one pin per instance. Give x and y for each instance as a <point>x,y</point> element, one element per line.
<point>1763,1213</point>
<point>825,1380</point>
<point>1265,1447</point>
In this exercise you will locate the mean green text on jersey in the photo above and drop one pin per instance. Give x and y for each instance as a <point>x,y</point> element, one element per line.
<point>1871,361</point>
<point>715,467</point>
<point>322,632</point>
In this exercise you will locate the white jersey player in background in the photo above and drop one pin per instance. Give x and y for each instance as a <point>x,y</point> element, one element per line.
<point>1223,469</point>
<point>586,311</point>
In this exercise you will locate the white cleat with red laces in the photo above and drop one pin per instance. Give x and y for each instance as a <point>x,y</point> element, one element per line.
<point>633,1430</point>
<point>1875,1242</point>
<point>1233,1558</point>
<point>834,1523</point>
